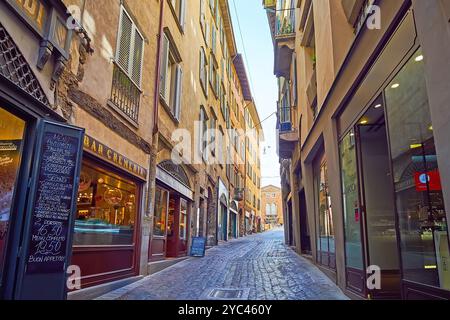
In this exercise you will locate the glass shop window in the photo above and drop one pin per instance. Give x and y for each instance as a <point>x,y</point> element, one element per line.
<point>161,203</point>
<point>11,139</point>
<point>418,189</point>
<point>183,219</point>
<point>106,209</point>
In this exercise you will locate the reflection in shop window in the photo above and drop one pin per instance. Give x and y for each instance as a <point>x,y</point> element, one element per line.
<point>11,137</point>
<point>419,198</point>
<point>183,219</point>
<point>159,222</point>
<point>106,209</point>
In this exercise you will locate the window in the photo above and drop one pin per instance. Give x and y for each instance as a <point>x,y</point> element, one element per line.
<point>203,141</point>
<point>222,34</point>
<point>325,241</point>
<point>106,208</point>
<point>171,78</point>
<point>220,148</point>
<point>213,77</point>
<point>179,8</point>
<point>183,219</point>
<point>203,71</point>
<point>161,203</point>
<point>127,73</point>
<point>203,16</point>
<point>418,191</point>
<point>11,140</point>
<point>274,209</point>
<point>212,132</point>
<point>213,38</point>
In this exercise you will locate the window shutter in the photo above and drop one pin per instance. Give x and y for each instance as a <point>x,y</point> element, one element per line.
<point>183,13</point>
<point>164,65</point>
<point>178,93</point>
<point>207,34</point>
<point>124,41</point>
<point>136,72</point>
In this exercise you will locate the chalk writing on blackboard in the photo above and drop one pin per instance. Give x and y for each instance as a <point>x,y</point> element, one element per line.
<point>52,207</point>
<point>198,247</point>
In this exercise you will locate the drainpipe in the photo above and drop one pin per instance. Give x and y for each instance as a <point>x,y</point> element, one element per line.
<point>151,183</point>
<point>158,70</point>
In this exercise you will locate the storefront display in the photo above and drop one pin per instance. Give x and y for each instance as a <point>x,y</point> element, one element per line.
<point>106,239</point>
<point>419,199</point>
<point>11,136</point>
<point>106,210</point>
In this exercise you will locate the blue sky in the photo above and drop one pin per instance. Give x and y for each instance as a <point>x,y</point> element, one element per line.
<point>259,51</point>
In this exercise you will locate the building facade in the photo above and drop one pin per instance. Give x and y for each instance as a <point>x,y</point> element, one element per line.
<point>362,122</point>
<point>271,207</point>
<point>118,90</point>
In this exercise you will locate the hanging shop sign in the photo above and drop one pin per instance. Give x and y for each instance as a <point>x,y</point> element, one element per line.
<point>98,149</point>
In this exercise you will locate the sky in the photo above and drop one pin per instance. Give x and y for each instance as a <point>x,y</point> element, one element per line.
<point>256,45</point>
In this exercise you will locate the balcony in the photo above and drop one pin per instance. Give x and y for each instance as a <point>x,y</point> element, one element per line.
<point>269,4</point>
<point>285,24</point>
<point>287,135</point>
<point>125,95</point>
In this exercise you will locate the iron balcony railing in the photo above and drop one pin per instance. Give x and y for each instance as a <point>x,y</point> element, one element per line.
<point>125,94</point>
<point>285,22</point>
<point>284,115</point>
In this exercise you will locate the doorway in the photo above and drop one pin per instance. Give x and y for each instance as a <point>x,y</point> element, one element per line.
<point>304,227</point>
<point>170,230</point>
<point>369,206</point>
<point>223,220</point>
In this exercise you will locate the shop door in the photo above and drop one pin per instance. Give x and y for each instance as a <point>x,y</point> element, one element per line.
<point>369,209</point>
<point>158,245</point>
<point>173,223</point>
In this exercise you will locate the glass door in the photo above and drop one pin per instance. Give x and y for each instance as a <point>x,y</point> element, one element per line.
<point>354,253</point>
<point>12,131</point>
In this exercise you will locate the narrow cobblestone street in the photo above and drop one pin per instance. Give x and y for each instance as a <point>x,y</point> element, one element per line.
<point>261,265</point>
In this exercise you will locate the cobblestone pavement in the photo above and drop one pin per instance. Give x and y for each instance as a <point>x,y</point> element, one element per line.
<point>262,265</point>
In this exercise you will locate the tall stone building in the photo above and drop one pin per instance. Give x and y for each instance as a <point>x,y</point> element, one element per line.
<point>362,128</point>
<point>271,206</point>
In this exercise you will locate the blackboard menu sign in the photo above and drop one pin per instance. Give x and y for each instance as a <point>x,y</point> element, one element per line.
<point>198,247</point>
<point>51,213</point>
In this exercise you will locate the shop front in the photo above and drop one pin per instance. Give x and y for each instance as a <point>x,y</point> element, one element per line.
<point>39,153</point>
<point>106,238</point>
<point>233,228</point>
<point>248,223</point>
<point>173,201</point>
<point>223,212</point>
<point>393,204</point>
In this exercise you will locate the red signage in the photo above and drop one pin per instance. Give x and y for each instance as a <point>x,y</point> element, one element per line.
<point>433,178</point>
